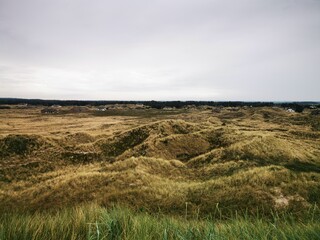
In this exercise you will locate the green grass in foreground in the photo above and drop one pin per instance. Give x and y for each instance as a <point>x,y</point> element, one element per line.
<point>93,222</point>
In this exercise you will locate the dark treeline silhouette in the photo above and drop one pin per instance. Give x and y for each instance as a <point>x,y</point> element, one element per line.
<point>297,106</point>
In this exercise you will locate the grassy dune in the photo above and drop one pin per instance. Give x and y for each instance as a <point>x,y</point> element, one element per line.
<point>217,164</point>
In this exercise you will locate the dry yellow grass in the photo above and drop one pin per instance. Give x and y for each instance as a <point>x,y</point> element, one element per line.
<point>253,158</point>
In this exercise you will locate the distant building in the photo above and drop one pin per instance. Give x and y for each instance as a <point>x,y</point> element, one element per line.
<point>139,106</point>
<point>56,106</point>
<point>101,108</point>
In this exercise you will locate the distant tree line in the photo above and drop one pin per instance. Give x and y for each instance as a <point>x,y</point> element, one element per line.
<point>297,106</point>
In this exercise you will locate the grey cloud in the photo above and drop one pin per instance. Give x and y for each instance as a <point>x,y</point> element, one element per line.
<point>209,50</point>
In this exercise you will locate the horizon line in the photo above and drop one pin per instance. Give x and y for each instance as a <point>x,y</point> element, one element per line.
<point>177,100</point>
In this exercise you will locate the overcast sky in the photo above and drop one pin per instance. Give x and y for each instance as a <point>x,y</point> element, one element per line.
<point>251,50</point>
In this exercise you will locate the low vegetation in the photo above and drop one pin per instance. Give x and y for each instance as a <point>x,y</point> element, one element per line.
<point>195,173</point>
<point>94,222</point>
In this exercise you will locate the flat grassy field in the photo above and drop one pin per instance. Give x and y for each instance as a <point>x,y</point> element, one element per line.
<point>196,173</point>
